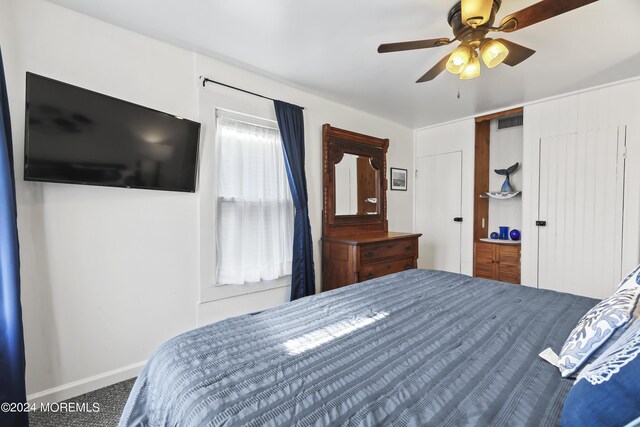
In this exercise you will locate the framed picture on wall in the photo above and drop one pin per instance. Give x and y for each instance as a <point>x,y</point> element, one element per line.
<point>398,179</point>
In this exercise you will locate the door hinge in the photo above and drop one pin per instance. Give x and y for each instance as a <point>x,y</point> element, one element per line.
<point>541,223</point>
<point>458,219</point>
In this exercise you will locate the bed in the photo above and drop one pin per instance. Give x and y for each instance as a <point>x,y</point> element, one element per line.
<point>419,347</point>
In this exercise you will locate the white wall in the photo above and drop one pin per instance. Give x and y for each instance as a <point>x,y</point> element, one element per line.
<point>611,106</point>
<point>455,136</point>
<point>505,150</point>
<point>108,274</point>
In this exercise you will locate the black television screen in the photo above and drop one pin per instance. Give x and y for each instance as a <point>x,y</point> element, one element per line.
<point>74,135</point>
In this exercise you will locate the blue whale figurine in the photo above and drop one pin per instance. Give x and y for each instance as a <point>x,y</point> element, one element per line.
<point>506,186</point>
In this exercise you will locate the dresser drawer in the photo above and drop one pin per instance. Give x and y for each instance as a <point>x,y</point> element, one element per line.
<point>390,249</point>
<point>355,258</point>
<point>379,269</point>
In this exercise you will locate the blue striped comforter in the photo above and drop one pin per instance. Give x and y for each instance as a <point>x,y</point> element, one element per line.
<point>414,348</point>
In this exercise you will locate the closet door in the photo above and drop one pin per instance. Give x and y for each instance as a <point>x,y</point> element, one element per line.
<point>581,199</point>
<point>438,210</point>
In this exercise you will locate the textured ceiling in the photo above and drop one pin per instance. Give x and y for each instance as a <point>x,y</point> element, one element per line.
<point>329,48</point>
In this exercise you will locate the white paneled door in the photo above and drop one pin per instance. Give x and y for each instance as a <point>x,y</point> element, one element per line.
<point>581,196</point>
<point>438,210</point>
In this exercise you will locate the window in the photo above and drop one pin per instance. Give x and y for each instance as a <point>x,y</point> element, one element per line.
<point>255,211</point>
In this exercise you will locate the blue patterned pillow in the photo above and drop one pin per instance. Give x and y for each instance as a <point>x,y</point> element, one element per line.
<point>589,338</point>
<point>634,274</point>
<point>607,391</point>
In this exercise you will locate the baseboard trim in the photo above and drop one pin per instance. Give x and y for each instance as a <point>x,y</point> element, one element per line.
<point>85,385</point>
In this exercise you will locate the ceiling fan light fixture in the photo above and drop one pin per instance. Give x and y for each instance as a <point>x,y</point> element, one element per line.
<point>493,52</point>
<point>459,59</point>
<point>476,12</point>
<point>472,70</point>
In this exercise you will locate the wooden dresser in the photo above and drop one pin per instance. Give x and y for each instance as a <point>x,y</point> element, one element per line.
<point>497,261</point>
<point>356,243</point>
<point>354,258</point>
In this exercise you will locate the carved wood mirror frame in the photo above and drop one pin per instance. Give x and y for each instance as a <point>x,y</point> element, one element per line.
<point>335,143</point>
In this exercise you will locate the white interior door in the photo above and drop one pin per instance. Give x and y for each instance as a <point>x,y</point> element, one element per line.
<point>581,199</point>
<point>438,205</point>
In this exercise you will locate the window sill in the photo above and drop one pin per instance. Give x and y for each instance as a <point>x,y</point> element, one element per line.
<point>221,291</point>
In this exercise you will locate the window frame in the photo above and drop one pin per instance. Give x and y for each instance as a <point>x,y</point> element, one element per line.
<point>212,287</point>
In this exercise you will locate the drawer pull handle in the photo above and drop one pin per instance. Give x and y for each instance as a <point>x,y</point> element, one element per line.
<point>368,254</point>
<point>369,275</point>
<point>408,248</point>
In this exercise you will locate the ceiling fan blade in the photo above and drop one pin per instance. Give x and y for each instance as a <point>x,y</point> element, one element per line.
<point>517,53</point>
<point>434,71</point>
<point>417,44</point>
<point>539,12</point>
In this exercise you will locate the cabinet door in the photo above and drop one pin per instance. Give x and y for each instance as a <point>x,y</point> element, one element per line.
<point>581,199</point>
<point>508,261</point>
<point>485,265</point>
<point>438,202</point>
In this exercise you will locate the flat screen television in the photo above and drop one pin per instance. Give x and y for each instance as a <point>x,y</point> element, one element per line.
<point>77,136</point>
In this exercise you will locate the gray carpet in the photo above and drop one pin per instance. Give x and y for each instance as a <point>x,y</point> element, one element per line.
<point>111,400</point>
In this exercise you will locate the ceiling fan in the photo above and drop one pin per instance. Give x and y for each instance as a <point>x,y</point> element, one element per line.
<point>471,21</point>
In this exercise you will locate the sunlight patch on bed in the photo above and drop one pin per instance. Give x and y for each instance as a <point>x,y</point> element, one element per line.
<point>328,333</point>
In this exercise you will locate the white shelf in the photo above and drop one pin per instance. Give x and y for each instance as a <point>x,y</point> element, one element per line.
<point>500,242</point>
<point>500,195</point>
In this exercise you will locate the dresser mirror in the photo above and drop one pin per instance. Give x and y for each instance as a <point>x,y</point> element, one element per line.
<point>354,182</point>
<point>356,185</point>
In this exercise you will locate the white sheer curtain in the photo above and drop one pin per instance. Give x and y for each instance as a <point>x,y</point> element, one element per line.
<point>255,211</point>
